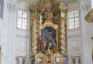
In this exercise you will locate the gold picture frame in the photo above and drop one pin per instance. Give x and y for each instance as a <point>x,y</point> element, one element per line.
<point>49,23</point>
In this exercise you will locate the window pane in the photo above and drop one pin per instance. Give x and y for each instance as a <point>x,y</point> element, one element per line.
<point>71,14</point>
<point>19,19</point>
<point>22,19</point>
<point>76,13</point>
<point>19,13</point>
<point>73,19</point>
<point>24,26</point>
<point>76,22</point>
<point>24,15</point>
<point>71,23</point>
<point>24,23</point>
<point>19,22</point>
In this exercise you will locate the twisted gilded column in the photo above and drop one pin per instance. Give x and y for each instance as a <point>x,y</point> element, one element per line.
<point>38,34</point>
<point>62,36</point>
<point>63,9</point>
<point>34,11</point>
<point>34,36</point>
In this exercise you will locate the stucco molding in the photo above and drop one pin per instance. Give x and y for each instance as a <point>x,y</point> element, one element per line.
<point>85,7</point>
<point>11,6</point>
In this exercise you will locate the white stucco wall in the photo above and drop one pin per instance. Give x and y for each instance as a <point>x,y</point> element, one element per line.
<point>23,36</point>
<point>7,32</point>
<point>73,37</point>
<point>85,33</point>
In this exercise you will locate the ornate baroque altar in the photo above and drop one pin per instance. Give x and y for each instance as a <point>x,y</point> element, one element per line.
<point>48,32</point>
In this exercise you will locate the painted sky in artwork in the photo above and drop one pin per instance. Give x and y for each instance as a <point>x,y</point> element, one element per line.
<point>49,36</point>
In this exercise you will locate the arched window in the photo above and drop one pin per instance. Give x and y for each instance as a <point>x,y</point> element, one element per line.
<point>73,21</point>
<point>22,20</point>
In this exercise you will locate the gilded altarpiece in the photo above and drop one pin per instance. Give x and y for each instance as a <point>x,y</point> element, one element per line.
<point>48,32</point>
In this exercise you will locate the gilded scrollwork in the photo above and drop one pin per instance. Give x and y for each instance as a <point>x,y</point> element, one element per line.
<point>49,15</point>
<point>34,7</point>
<point>49,24</point>
<point>48,58</point>
<point>49,8</point>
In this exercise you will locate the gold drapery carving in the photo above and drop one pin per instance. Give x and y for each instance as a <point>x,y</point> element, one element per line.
<point>49,23</point>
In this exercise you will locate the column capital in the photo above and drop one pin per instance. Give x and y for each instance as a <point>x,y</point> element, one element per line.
<point>63,7</point>
<point>62,19</point>
<point>11,6</point>
<point>35,19</point>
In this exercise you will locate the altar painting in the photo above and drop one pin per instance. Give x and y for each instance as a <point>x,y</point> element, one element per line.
<point>48,39</point>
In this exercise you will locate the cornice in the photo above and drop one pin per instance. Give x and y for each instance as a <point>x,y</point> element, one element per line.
<point>24,3</point>
<point>73,3</point>
<point>11,6</point>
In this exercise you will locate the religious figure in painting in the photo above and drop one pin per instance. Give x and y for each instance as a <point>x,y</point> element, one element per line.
<point>50,45</point>
<point>47,39</point>
<point>43,42</point>
<point>54,46</point>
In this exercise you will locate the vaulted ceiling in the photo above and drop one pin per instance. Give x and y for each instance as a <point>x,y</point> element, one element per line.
<point>31,1</point>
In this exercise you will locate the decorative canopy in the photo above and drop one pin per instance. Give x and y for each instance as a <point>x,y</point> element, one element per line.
<point>45,5</point>
<point>49,24</point>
